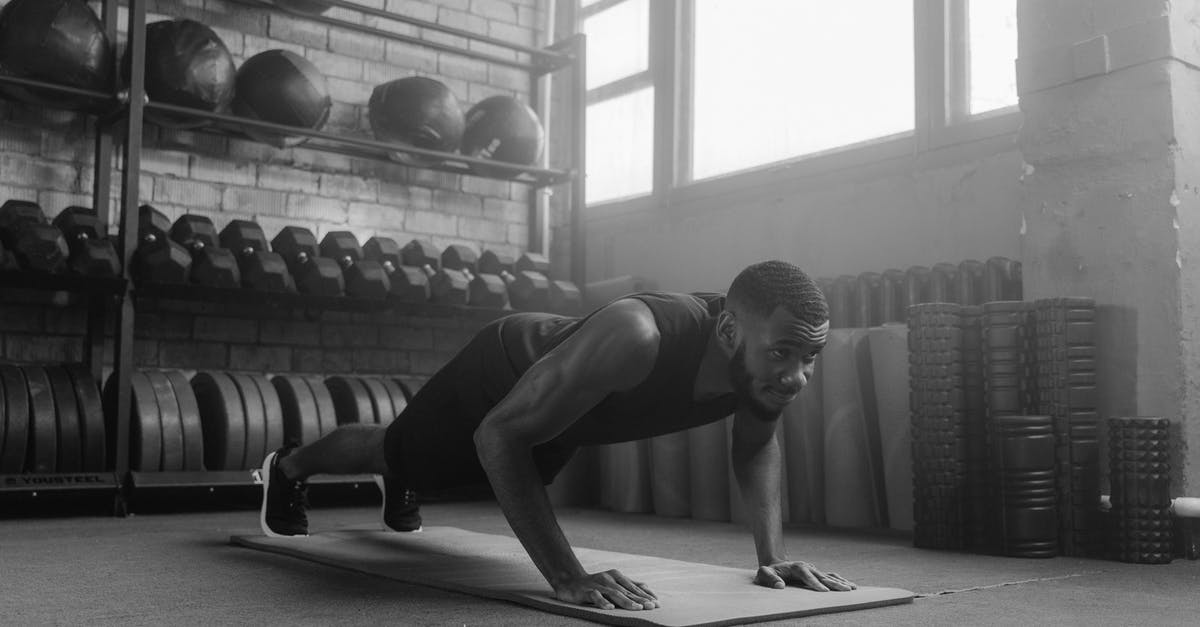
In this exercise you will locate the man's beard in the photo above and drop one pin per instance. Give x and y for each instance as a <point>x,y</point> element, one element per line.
<point>742,383</point>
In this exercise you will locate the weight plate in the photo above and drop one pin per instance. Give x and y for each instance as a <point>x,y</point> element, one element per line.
<point>301,424</point>
<point>145,426</point>
<point>91,416</point>
<point>189,418</point>
<point>16,419</point>
<point>380,400</point>
<point>222,419</point>
<point>169,420</point>
<point>256,422</point>
<point>66,410</point>
<point>42,456</point>
<point>326,412</point>
<point>272,412</point>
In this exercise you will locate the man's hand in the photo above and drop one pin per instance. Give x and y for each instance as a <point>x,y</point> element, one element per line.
<point>606,590</point>
<point>780,574</point>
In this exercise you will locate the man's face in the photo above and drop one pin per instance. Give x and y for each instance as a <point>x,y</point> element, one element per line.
<point>774,360</point>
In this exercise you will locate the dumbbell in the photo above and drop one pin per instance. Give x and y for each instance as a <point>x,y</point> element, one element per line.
<point>483,290</point>
<point>261,269</point>
<point>313,273</point>
<point>158,258</point>
<point>34,243</point>
<point>212,265</point>
<point>565,296</point>
<point>528,291</point>
<point>92,253</point>
<point>408,282</point>
<point>364,278</point>
<point>447,287</point>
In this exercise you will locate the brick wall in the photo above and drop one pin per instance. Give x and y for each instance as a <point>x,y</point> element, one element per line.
<point>47,157</point>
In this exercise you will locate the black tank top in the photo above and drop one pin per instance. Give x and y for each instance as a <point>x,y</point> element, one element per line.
<point>663,402</point>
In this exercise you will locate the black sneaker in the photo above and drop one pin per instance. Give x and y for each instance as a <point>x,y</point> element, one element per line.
<point>401,512</point>
<point>284,501</point>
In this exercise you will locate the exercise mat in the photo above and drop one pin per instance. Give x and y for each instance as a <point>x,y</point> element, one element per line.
<point>496,567</point>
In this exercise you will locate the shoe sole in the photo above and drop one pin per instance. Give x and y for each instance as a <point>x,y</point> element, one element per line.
<point>262,512</point>
<point>383,509</point>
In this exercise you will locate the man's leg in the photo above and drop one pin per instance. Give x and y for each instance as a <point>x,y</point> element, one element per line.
<point>351,449</point>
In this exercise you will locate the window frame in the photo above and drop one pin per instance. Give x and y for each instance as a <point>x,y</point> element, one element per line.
<point>941,105</point>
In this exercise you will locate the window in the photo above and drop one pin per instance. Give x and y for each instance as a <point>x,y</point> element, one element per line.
<point>620,109</point>
<point>774,80</point>
<point>992,48</point>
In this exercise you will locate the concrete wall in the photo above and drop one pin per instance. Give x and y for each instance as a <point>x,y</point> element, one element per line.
<point>950,204</point>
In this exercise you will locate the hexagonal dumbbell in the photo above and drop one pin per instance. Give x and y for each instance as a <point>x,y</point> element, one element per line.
<point>36,245</point>
<point>364,278</point>
<point>527,290</point>
<point>158,258</point>
<point>565,297</point>
<point>313,273</point>
<point>408,282</point>
<point>261,269</point>
<point>212,265</point>
<point>92,253</point>
<point>484,290</point>
<point>447,287</point>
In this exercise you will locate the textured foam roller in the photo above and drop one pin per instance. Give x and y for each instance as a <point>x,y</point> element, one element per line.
<point>709,482</point>
<point>852,493</point>
<point>189,417</point>
<point>804,433</point>
<point>626,471</point>
<point>669,467</point>
<point>889,359</point>
<point>494,566</point>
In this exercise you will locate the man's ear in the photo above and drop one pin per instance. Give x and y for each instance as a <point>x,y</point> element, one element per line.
<point>727,329</point>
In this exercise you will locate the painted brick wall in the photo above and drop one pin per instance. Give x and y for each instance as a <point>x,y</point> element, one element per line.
<point>47,157</point>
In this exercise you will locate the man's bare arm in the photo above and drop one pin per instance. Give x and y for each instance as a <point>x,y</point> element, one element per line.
<point>612,351</point>
<point>757,465</point>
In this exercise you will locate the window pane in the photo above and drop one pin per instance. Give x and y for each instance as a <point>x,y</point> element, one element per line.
<point>993,50</point>
<point>776,79</point>
<point>620,140</point>
<point>618,42</point>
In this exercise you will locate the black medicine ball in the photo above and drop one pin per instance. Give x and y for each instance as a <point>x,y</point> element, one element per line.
<point>315,7</point>
<point>60,41</point>
<point>504,129</point>
<point>416,111</point>
<point>187,65</point>
<point>281,87</point>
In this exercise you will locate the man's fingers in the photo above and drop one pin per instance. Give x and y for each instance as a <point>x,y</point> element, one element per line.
<point>644,588</point>
<point>767,577</point>
<point>842,579</point>
<point>598,600</point>
<point>834,583</point>
<point>637,591</point>
<point>622,600</point>
<point>810,579</point>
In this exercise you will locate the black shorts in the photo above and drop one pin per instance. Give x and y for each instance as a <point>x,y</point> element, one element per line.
<point>431,444</point>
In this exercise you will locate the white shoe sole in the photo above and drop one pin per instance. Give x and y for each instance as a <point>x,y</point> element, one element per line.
<point>262,512</point>
<point>383,509</point>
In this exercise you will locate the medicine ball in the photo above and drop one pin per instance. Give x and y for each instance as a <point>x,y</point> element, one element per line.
<point>281,87</point>
<point>60,41</point>
<point>316,7</point>
<point>187,65</point>
<point>416,111</point>
<point>504,129</point>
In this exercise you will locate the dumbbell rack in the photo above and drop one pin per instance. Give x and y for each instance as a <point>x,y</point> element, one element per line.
<point>123,119</point>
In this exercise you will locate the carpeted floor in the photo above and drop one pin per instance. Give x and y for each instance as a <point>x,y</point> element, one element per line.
<point>178,569</point>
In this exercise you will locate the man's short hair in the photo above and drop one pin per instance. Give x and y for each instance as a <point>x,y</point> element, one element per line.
<point>762,287</point>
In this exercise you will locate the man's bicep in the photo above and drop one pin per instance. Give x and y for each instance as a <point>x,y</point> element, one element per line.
<point>610,352</point>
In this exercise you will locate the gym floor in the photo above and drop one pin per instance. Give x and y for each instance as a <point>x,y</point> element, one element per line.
<point>178,569</point>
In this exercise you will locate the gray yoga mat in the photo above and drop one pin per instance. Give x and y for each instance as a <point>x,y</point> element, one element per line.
<point>496,567</point>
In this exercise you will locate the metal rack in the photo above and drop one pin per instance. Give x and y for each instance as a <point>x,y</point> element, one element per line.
<point>123,113</point>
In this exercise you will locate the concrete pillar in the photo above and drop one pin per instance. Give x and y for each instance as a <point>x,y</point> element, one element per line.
<point>1111,95</point>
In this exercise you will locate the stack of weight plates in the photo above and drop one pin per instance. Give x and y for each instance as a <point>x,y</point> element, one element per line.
<point>1007,366</point>
<point>1023,453</point>
<point>938,428</point>
<point>1139,471</point>
<point>51,420</point>
<point>979,509</point>
<point>1066,358</point>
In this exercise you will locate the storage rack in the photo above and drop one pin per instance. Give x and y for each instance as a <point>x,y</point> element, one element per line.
<point>126,121</point>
